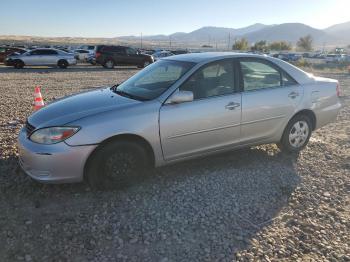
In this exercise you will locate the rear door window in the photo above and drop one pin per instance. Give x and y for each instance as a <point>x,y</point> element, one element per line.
<point>113,49</point>
<point>257,74</point>
<point>49,52</point>
<point>288,80</point>
<point>37,52</point>
<point>130,51</point>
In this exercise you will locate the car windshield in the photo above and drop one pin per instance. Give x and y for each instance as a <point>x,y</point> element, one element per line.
<point>152,81</point>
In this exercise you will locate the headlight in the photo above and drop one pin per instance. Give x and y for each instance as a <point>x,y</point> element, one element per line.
<point>53,135</point>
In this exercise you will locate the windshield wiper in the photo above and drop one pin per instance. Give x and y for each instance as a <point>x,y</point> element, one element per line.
<point>126,94</point>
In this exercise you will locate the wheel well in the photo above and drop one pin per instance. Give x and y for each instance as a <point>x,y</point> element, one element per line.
<point>18,60</point>
<point>310,114</point>
<point>62,60</point>
<point>109,58</point>
<point>126,137</point>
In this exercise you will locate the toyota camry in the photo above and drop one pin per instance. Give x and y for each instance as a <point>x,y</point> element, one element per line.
<point>178,108</point>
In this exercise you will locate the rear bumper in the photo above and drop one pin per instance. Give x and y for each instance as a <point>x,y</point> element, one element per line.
<point>72,61</point>
<point>58,163</point>
<point>327,115</point>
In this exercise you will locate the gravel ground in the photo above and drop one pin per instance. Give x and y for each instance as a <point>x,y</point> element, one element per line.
<point>253,204</point>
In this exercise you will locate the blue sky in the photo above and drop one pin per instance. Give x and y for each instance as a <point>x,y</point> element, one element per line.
<point>108,18</point>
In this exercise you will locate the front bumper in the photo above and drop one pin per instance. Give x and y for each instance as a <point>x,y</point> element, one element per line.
<point>8,62</point>
<point>57,163</point>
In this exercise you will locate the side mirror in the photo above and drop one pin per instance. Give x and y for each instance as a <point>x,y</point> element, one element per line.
<point>180,97</point>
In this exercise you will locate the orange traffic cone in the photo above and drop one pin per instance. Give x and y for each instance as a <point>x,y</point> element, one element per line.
<point>38,99</point>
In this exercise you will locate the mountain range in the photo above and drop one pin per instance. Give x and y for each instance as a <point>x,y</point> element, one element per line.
<point>221,37</point>
<point>290,32</point>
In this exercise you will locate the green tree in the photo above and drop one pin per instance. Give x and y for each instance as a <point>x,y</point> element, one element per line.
<point>280,46</point>
<point>305,43</point>
<point>260,46</point>
<point>241,44</point>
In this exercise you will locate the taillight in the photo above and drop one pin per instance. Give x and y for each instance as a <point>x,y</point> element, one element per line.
<point>97,54</point>
<point>338,89</point>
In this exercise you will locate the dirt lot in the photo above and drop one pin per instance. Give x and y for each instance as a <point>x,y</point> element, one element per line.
<point>254,204</point>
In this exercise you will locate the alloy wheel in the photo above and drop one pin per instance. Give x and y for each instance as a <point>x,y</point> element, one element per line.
<point>298,134</point>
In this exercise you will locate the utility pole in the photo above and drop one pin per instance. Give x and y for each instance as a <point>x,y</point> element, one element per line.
<point>169,41</point>
<point>141,40</point>
<point>229,40</point>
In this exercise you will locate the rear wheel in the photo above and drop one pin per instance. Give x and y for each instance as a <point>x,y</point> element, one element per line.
<point>18,64</point>
<point>109,64</point>
<point>62,64</point>
<point>297,134</point>
<point>115,164</point>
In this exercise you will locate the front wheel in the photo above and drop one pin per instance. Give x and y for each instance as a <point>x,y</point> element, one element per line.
<point>62,64</point>
<point>116,164</point>
<point>18,64</point>
<point>144,64</point>
<point>297,134</point>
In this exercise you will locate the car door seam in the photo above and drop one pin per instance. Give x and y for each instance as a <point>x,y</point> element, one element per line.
<point>202,131</point>
<point>261,120</point>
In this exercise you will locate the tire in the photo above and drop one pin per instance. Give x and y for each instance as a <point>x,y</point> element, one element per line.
<point>116,164</point>
<point>18,64</point>
<point>109,64</point>
<point>297,134</point>
<point>146,63</point>
<point>62,64</point>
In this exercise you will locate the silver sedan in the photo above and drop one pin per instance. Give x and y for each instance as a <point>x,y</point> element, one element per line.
<point>42,57</point>
<point>178,108</point>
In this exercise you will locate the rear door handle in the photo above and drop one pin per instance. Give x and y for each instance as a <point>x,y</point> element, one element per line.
<point>293,94</point>
<point>232,105</point>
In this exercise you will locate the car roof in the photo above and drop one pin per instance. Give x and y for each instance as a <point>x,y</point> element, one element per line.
<point>207,56</point>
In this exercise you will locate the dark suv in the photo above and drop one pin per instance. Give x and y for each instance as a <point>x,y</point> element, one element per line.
<point>110,56</point>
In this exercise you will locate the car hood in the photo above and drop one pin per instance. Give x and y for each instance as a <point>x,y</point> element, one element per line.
<point>74,107</point>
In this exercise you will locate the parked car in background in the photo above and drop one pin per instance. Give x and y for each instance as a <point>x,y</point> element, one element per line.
<point>7,50</point>
<point>146,51</point>
<point>289,57</point>
<point>335,58</point>
<point>81,54</point>
<point>109,56</point>
<point>178,108</point>
<point>180,52</point>
<point>90,48</point>
<point>41,57</point>
<point>91,59</point>
<point>161,54</point>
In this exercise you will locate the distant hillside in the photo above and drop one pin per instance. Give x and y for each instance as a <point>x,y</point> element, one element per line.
<point>289,32</point>
<point>211,33</point>
<point>340,31</point>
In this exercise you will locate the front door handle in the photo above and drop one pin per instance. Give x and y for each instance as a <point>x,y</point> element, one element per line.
<point>293,94</point>
<point>232,105</point>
